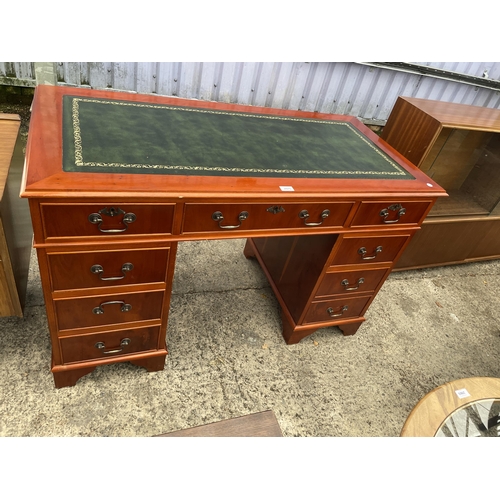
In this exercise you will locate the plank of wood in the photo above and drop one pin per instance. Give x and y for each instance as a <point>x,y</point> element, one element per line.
<point>15,226</point>
<point>263,424</point>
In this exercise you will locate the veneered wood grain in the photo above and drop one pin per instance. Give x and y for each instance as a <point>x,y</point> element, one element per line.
<point>348,251</point>
<point>72,220</point>
<point>83,347</point>
<point>78,312</point>
<point>9,129</point>
<point>15,227</point>
<point>410,131</point>
<point>338,308</point>
<point>452,241</point>
<point>458,115</point>
<point>71,271</point>
<point>332,283</point>
<point>198,217</point>
<point>368,213</point>
<point>294,265</point>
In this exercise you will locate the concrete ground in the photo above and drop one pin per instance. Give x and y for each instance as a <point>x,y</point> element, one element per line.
<point>228,358</point>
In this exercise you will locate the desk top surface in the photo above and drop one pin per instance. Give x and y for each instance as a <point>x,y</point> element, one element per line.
<point>118,136</point>
<point>86,142</point>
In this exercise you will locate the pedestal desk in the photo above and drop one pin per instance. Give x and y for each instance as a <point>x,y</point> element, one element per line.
<point>115,181</point>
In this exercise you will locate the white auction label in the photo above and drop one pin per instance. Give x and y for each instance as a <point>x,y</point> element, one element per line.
<point>287,188</point>
<point>462,393</point>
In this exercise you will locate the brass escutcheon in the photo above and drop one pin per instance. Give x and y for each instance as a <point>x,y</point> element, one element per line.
<point>96,218</point>
<point>275,209</point>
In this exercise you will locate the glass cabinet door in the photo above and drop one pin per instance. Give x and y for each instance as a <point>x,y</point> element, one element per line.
<point>467,164</point>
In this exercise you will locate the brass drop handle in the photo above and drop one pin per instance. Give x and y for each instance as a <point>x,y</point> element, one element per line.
<point>305,215</point>
<point>96,218</point>
<point>336,315</point>
<point>123,343</point>
<point>362,252</point>
<point>345,283</point>
<point>124,307</point>
<point>98,269</point>
<point>218,217</point>
<point>384,213</point>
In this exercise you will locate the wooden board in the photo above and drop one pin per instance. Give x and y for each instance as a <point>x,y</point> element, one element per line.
<point>263,424</point>
<point>15,225</point>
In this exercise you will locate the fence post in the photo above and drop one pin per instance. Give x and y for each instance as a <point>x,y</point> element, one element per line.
<point>45,73</point>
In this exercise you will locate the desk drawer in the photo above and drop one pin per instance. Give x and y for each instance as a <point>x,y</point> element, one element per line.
<point>105,220</point>
<point>201,217</point>
<point>390,213</point>
<point>107,310</point>
<point>351,282</point>
<point>108,344</point>
<point>369,249</point>
<point>107,268</point>
<point>336,309</point>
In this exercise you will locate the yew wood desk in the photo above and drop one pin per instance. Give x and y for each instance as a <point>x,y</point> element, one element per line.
<point>115,181</point>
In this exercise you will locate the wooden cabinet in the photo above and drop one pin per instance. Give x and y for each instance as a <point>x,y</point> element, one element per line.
<point>458,146</point>
<point>107,299</point>
<point>326,207</point>
<point>15,224</point>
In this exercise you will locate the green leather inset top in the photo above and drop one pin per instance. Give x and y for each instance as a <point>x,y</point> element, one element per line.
<point>115,136</point>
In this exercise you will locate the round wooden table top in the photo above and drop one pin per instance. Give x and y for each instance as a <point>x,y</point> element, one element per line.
<point>468,407</point>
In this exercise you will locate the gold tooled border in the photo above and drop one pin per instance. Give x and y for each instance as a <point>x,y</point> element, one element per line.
<point>79,161</point>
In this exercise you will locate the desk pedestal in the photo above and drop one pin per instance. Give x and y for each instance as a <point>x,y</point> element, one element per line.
<point>314,282</point>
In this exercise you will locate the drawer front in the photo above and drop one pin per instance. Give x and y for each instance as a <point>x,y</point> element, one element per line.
<point>107,310</point>
<point>369,249</point>
<point>107,268</point>
<point>101,220</point>
<point>108,344</point>
<point>351,282</point>
<point>390,213</point>
<point>336,309</point>
<point>201,217</point>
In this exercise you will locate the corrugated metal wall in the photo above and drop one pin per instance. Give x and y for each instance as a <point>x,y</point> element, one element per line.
<point>347,88</point>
